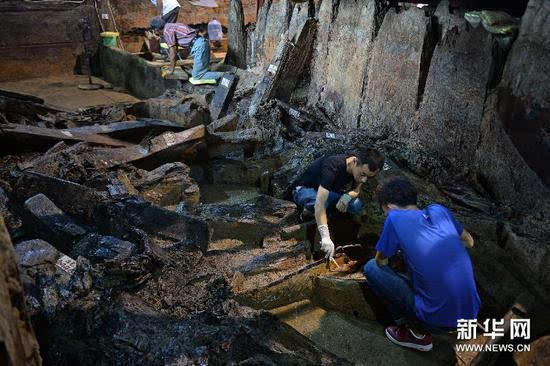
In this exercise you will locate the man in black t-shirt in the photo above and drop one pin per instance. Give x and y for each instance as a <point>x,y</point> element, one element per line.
<point>324,186</point>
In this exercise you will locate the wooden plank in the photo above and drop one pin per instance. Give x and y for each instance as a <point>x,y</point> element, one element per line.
<point>222,96</point>
<point>37,137</point>
<point>20,96</point>
<point>162,149</point>
<point>284,71</point>
<point>225,124</point>
<point>24,107</point>
<point>134,130</point>
<point>236,45</point>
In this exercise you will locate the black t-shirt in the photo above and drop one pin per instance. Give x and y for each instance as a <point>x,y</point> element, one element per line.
<point>327,171</point>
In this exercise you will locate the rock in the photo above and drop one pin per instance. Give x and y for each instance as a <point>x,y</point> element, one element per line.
<point>47,221</point>
<point>19,344</point>
<point>169,184</point>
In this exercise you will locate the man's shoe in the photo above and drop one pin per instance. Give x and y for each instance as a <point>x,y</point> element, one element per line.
<point>405,337</point>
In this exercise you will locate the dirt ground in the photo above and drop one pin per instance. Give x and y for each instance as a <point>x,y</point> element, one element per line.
<point>62,91</point>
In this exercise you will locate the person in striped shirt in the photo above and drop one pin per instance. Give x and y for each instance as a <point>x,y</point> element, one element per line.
<point>190,41</point>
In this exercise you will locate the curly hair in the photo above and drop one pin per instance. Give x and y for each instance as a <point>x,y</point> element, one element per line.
<point>396,190</point>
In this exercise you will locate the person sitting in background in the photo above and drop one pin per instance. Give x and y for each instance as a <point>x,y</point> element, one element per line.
<point>215,32</point>
<point>190,41</point>
<point>168,10</point>
<point>440,288</point>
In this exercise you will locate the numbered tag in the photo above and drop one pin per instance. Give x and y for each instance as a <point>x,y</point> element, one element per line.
<point>66,264</point>
<point>272,69</point>
<point>169,139</point>
<point>67,133</point>
<point>294,113</point>
<point>104,16</point>
<point>330,135</point>
<point>225,82</point>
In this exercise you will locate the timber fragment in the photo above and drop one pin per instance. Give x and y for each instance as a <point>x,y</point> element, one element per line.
<point>224,124</point>
<point>48,222</point>
<point>16,137</point>
<point>164,148</point>
<point>286,67</point>
<point>222,96</point>
<point>236,43</point>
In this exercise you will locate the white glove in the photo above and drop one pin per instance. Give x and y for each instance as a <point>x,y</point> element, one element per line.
<point>327,245</point>
<point>343,203</point>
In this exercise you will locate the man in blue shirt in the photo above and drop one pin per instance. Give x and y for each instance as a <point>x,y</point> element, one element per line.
<point>440,286</point>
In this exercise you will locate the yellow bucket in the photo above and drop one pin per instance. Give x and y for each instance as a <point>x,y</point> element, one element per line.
<point>109,38</point>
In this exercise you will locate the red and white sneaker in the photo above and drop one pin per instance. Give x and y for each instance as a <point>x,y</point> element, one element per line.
<point>405,337</point>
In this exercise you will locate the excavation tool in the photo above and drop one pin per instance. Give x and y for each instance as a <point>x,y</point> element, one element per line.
<point>87,41</point>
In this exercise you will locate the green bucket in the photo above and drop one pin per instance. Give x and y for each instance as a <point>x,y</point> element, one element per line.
<point>109,39</point>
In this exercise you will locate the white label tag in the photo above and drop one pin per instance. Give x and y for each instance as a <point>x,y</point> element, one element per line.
<point>104,16</point>
<point>66,264</point>
<point>330,135</point>
<point>272,69</point>
<point>225,82</point>
<point>67,133</point>
<point>386,167</point>
<point>170,139</point>
<point>294,113</point>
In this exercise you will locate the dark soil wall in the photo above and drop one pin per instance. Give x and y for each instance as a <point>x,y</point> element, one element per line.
<point>39,39</point>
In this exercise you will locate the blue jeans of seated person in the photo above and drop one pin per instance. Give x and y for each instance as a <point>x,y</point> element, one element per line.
<point>201,60</point>
<point>305,197</point>
<point>395,290</point>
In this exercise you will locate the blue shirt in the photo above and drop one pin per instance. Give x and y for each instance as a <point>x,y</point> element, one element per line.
<point>439,265</point>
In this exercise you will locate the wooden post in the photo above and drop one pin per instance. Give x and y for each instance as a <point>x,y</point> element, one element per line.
<point>236,44</point>
<point>285,69</point>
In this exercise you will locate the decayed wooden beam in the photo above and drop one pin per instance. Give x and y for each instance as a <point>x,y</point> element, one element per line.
<point>18,104</point>
<point>162,149</point>
<point>284,71</point>
<point>225,124</point>
<point>236,44</point>
<point>30,137</point>
<point>127,128</point>
<point>20,96</point>
<point>303,118</point>
<point>222,96</point>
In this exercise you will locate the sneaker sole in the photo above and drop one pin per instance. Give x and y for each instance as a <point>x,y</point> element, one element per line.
<point>419,347</point>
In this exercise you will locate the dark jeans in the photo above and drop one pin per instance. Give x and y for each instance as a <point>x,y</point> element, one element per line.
<point>172,15</point>
<point>395,290</point>
<point>305,197</point>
